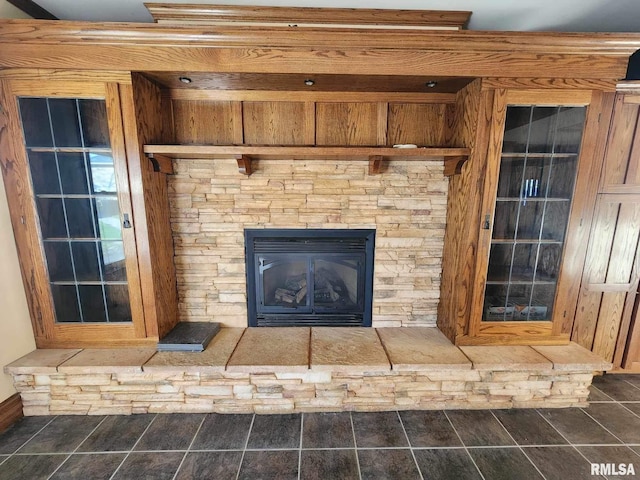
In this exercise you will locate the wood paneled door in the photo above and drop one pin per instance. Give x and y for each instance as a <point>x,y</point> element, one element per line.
<point>66,175</point>
<point>605,314</point>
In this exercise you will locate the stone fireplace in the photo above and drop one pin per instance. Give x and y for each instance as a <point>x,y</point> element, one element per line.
<point>212,205</point>
<point>309,277</point>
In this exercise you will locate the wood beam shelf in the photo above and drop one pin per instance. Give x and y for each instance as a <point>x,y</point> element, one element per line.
<point>454,158</point>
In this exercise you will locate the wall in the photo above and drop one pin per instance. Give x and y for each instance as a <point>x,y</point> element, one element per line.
<point>16,336</point>
<point>212,203</point>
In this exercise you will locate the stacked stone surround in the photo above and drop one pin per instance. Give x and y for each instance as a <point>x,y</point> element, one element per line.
<point>211,205</point>
<point>131,381</point>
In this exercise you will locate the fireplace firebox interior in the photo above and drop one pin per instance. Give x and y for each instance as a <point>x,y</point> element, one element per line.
<point>319,277</point>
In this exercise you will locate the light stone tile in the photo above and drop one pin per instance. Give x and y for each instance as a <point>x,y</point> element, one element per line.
<point>421,348</point>
<point>40,361</point>
<point>347,350</point>
<point>107,360</point>
<point>274,349</point>
<point>213,359</point>
<point>573,357</point>
<point>500,358</point>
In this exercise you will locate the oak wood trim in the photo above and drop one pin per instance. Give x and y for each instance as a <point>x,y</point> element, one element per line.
<point>58,87</point>
<point>142,34</point>
<point>546,339</point>
<point>171,13</point>
<point>43,74</point>
<point>244,165</point>
<point>310,97</point>
<point>540,97</point>
<point>32,9</point>
<point>549,83</point>
<point>10,411</point>
<point>632,99</point>
<point>375,164</point>
<point>266,151</point>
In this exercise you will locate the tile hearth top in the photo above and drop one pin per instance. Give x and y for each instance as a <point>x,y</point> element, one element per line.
<point>280,349</point>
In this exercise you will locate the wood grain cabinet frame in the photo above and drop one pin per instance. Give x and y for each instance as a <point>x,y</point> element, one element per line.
<point>24,212</point>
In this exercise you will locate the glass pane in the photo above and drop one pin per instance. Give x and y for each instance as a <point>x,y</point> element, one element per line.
<point>79,217</point>
<point>44,174</point>
<point>543,126</point>
<point>530,220</point>
<point>65,301</point>
<point>73,173</point>
<point>516,130</point>
<point>118,303</point>
<point>64,121</point>
<point>504,221</point>
<point>569,132</point>
<point>542,300</point>
<point>92,303</point>
<point>85,259</point>
<point>500,262</point>
<point>548,262</point>
<point>35,122</point>
<point>103,178</point>
<point>113,262</point>
<point>59,261</point>
<point>496,307</point>
<point>563,175</point>
<point>284,282</point>
<point>556,218</point>
<point>509,184</point>
<point>95,129</point>
<point>52,224</point>
<point>335,283</point>
<point>108,216</point>
<point>524,261</point>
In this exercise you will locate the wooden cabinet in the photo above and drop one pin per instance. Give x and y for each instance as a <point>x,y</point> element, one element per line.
<point>537,187</point>
<point>605,313</point>
<point>67,173</point>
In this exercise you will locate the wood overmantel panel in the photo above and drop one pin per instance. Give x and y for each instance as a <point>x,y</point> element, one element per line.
<point>153,47</point>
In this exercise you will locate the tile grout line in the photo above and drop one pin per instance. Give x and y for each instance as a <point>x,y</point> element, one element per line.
<point>355,445</point>
<point>611,399</point>
<point>31,437</point>
<point>132,448</point>
<point>410,446</point>
<point>246,444</point>
<point>463,444</point>
<point>632,384</point>
<point>79,445</point>
<point>184,457</point>
<point>518,445</point>
<point>566,439</point>
<point>300,446</point>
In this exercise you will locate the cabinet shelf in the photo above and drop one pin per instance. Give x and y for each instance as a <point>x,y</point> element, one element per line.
<point>532,199</point>
<point>161,155</point>
<point>525,241</point>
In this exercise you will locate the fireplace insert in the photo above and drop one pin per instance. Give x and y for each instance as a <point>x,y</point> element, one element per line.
<point>309,277</point>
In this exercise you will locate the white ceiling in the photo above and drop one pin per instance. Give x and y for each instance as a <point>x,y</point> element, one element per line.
<point>524,15</point>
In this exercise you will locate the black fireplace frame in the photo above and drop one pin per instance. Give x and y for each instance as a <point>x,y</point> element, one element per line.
<point>331,243</point>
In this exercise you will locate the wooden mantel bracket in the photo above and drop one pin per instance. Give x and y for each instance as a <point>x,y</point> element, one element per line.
<point>244,164</point>
<point>453,165</point>
<point>161,163</point>
<point>375,164</point>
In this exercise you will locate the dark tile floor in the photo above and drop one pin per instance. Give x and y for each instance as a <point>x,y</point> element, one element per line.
<point>500,444</point>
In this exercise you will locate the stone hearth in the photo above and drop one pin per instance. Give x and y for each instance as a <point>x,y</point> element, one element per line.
<point>266,370</point>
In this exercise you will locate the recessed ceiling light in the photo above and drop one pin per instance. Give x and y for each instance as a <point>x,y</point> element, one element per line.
<point>309,82</point>
<point>431,83</point>
<point>185,79</point>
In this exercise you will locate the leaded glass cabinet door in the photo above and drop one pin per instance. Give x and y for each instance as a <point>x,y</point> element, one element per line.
<point>76,171</point>
<point>535,187</point>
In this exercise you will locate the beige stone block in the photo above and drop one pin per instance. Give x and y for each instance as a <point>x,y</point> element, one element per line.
<point>110,410</point>
<point>512,357</point>
<point>220,391</point>
<point>261,350</point>
<point>213,359</point>
<point>40,380</point>
<point>337,349</point>
<point>573,357</point>
<point>95,379</point>
<point>309,376</point>
<point>69,410</point>
<point>40,361</point>
<point>418,348</point>
<point>35,410</point>
<point>107,360</point>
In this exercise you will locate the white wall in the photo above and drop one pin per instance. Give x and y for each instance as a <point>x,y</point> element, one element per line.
<point>16,335</point>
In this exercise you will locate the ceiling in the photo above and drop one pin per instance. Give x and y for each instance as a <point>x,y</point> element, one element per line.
<point>523,15</point>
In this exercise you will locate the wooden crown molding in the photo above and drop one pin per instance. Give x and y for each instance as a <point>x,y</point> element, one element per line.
<point>33,9</point>
<point>305,16</point>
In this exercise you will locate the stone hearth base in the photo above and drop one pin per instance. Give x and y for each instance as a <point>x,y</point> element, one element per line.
<point>273,370</point>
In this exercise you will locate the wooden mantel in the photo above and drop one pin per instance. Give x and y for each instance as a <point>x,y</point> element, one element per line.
<point>153,47</point>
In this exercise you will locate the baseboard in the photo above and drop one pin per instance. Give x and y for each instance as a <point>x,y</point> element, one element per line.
<point>10,411</point>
